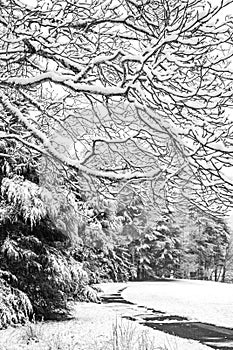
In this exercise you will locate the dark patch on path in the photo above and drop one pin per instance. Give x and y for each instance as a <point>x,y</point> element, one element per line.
<point>115,298</point>
<point>205,333</point>
<point>219,338</point>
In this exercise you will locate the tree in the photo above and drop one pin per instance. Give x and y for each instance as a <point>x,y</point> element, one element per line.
<point>228,263</point>
<point>127,91</point>
<point>156,252</point>
<point>35,253</point>
<point>205,249</point>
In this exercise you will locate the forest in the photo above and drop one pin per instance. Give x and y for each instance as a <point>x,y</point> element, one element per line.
<point>116,145</point>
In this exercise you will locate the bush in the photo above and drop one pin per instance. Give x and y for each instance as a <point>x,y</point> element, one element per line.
<point>37,250</point>
<point>15,306</point>
<point>48,275</point>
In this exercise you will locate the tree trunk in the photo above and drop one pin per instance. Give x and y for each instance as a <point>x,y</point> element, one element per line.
<point>223,274</point>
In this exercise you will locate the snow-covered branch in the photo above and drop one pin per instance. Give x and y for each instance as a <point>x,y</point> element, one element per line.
<point>123,92</point>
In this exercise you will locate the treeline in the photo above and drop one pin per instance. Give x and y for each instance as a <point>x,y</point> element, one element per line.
<point>56,242</point>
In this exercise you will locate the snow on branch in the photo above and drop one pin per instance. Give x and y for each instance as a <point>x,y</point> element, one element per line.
<point>52,152</point>
<point>66,80</point>
<point>128,91</point>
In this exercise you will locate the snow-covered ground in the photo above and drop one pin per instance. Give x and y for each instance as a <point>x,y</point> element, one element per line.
<point>92,329</point>
<point>136,291</point>
<point>92,325</point>
<point>204,301</point>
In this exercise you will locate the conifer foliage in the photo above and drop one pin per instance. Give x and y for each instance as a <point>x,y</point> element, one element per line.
<point>15,306</point>
<point>35,253</point>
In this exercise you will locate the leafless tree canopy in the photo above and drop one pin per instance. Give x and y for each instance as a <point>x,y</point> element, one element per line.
<point>121,90</point>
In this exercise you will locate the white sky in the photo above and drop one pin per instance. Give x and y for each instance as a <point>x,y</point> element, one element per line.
<point>29,3</point>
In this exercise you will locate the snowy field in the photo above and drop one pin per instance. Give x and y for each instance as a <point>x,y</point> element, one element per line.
<point>91,328</point>
<point>203,301</point>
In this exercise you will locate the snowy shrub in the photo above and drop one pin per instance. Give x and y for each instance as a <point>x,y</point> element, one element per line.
<point>15,306</point>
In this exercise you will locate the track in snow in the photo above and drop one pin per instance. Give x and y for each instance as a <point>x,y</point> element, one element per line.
<point>218,338</point>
